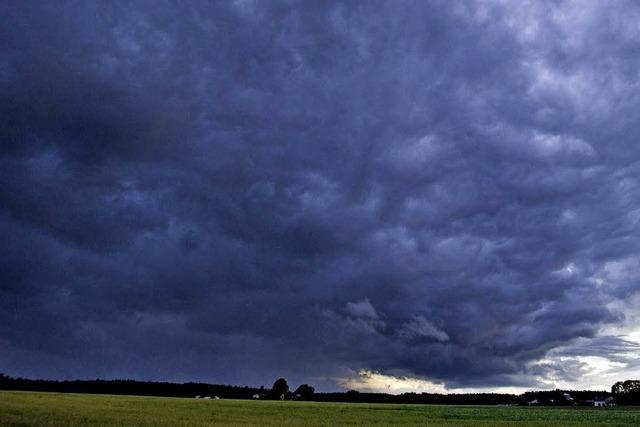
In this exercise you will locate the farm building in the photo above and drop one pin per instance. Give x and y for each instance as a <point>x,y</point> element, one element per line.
<point>602,402</point>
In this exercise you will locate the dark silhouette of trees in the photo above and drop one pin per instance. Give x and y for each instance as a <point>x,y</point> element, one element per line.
<point>628,386</point>
<point>626,392</point>
<point>623,392</point>
<point>130,387</point>
<point>305,391</point>
<point>280,389</point>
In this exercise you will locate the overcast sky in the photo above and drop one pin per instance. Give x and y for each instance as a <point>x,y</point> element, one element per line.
<point>399,195</point>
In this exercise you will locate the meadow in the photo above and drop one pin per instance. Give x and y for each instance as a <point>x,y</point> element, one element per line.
<point>58,409</point>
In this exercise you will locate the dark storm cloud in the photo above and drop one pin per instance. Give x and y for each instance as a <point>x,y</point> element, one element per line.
<point>231,191</point>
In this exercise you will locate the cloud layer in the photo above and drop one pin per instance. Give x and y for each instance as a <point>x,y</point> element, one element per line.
<point>233,191</point>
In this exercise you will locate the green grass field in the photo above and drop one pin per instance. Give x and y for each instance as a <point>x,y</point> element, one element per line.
<point>57,409</point>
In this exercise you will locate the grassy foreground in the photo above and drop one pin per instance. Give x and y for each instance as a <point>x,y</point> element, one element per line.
<point>57,409</point>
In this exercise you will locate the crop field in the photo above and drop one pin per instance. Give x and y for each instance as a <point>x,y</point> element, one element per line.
<point>57,409</point>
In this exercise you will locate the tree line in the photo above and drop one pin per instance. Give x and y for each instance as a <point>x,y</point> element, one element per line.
<point>624,392</point>
<point>280,389</point>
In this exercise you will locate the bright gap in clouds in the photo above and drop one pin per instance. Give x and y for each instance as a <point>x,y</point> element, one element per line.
<point>376,382</point>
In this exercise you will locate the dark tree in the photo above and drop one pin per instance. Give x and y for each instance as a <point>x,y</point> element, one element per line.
<point>628,386</point>
<point>305,391</point>
<point>280,388</point>
<point>626,392</point>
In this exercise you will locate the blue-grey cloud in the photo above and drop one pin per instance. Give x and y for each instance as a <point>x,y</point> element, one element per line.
<point>231,191</point>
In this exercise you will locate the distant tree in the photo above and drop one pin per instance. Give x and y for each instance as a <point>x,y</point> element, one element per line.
<point>280,388</point>
<point>305,391</point>
<point>626,387</point>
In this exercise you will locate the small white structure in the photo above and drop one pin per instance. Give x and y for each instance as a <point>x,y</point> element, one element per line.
<point>255,396</point>
<point>532,402</point>
<point>198,396</point>
<point>216,398</point>
<point>602,402</point>
<point>568,397</point>
<point>207,397</point>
